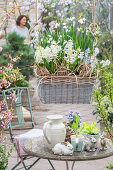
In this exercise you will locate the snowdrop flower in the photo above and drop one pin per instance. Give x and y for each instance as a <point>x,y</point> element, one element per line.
<point>71,18</point>
<point>82,20</point>
<point>79,29</point>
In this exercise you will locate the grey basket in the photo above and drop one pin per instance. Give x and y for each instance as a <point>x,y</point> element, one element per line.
<point>65,93</point>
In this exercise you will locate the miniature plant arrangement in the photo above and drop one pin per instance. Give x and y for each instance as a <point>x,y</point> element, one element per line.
<point>10,77</point>
<point>89,129</point>
<point>76,139</point>
<point>74,120</point>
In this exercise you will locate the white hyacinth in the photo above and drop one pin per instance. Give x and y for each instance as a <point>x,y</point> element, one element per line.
<point>71,54</point>
<point>48,53</point>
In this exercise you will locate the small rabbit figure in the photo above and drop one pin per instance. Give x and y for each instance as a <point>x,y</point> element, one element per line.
<point>90,145</point>
<point>103,146</point>
<point>63,148</point>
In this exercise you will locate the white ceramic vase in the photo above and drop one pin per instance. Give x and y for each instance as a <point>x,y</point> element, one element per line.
<point>54,130</point>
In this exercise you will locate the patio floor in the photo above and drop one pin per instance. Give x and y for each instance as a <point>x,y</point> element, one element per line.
<point>40,112</point>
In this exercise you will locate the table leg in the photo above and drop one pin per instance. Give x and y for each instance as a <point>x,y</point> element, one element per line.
<point>73,165</point>
<point>67,165</point>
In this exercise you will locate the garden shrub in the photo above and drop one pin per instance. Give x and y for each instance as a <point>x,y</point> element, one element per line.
<point>15,47</point>
<point>105,45</point>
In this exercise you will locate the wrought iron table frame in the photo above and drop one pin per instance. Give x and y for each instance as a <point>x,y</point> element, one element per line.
<point>36,147</point>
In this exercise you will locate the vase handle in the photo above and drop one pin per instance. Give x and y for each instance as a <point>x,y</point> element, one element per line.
<point>44,131</point>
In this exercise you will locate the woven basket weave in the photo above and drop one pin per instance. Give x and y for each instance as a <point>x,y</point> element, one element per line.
<point>65,89</point>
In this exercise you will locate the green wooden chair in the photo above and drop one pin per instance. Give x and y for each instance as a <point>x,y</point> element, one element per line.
<point>15,98</point>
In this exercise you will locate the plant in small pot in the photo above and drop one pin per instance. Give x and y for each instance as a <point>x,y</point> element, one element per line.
<point>89,130</point>
<point>76,138</point>
<point>71,117</point>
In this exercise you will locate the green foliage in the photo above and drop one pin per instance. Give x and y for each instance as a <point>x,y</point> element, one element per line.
<point>16,47</point>
<point>69,45</point>
<point>110,166</point>
<point>81,39</point>
<point>89,129</point>
<point>105,45</point>
<point>104,96</point>
<point>5,153</point>
<point>10,77</point>
<point>76,126</point>
<point>104,101</point>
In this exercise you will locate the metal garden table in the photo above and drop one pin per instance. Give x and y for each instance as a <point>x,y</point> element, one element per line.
<point>36,147</point>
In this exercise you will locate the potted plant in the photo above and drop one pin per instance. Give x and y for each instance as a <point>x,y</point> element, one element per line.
<point>90,130</point>
<point>75,138</point>
<point>65,66</point>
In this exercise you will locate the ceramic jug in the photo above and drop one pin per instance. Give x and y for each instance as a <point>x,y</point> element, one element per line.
<point>54,130</point>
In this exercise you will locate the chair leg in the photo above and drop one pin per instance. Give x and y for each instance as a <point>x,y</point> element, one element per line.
<point>18,164</point>
<point>34,163</point>
<point>51,164</point>
<point>24,166</point>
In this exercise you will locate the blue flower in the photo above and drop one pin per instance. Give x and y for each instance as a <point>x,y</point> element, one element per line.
<point>70,115</point>
<point>80,119</point>
<point>71,118</point>
<point>77,113</point>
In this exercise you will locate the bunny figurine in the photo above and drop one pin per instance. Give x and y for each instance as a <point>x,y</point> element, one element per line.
<point>90,145</point>
<point>102,143</point>
<point>63,148</point>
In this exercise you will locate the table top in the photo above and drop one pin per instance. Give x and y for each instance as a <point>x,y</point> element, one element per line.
<point>36,147</point>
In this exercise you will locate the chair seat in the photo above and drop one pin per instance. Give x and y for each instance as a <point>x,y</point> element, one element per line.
<point>19,140</point>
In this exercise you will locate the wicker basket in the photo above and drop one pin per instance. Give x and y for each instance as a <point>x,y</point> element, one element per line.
<point>65,89</point>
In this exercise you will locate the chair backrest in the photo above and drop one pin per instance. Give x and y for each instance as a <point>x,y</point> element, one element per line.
<point>15,98</point>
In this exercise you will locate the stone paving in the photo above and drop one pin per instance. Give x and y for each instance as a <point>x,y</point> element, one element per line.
<point>40,113</point>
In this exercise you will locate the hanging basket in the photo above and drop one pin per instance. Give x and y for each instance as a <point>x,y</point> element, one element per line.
<point>65,89</point>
